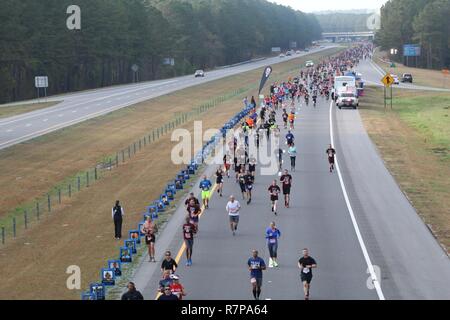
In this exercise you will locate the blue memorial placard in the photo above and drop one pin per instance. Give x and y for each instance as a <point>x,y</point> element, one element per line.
<point>164,199</point>
<point>154,208</point>
<point>87,295</point>
<point>108,276</point>
<point>131,244</point>
<point>161,208</point>
<point>126,256</point>
<point>170,194</point>
<point>98,291</point>
<point>191,169</point>
<point>115,265</point>
<point>178,184</point>
<point>140,227</point>
<point>135,234</point>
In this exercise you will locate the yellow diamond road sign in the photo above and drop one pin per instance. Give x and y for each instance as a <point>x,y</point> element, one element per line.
<point>387,80</point>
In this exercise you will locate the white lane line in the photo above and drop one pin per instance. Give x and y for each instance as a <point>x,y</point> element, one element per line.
<point>9,130</point>
<point>68,123</point>
<point>28,125</point>
<point>45,120</point>
<point>74,111</point>
<point>60,115</point>
<point>54,110</point>
<point>373,275</point>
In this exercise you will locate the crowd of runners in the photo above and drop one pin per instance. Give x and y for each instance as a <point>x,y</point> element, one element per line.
<point>275,117</point>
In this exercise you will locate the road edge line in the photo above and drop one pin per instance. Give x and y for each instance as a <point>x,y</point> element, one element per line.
<point>373,275</point>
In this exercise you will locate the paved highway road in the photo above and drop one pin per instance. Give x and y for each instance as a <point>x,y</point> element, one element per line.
<point>79,107</point>
<point>349,221</point>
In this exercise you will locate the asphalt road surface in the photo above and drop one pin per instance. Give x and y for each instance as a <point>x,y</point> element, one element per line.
<point>79,107</point>
<point>350,220</point>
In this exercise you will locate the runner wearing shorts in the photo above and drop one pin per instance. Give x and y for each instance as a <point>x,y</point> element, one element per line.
<point>219,180</point>
<point>233,207</point>
<point>305,264</point>
<point>331,153</point>
<point>286,181</point>
<point>205,186</point>
<point>252,167</point>
<point>241,180</point>
<point>274,190</point>
<point>188,235</point>
<point>149,229</point>
<point>256,265</point>
<point>226,165</point>
<point>249,180</point>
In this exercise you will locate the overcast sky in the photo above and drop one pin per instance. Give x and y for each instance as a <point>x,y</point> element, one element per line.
<point>322,5</point>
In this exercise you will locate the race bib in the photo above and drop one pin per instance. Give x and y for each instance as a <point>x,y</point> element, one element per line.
<point>253,280</point>
<point>273,240</point>
<point>305,270</point>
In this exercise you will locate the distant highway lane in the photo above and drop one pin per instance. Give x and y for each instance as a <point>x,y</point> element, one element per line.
<point>78,107</point>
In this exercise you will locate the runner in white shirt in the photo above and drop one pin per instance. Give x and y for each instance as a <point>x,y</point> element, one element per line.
<point>233,207</point>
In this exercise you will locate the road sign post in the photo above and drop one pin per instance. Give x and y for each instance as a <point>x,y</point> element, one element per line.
<point>41,82</point>
<point>387,81</point>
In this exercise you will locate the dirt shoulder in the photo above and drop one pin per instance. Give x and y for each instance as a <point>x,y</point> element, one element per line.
<point>414,141</point>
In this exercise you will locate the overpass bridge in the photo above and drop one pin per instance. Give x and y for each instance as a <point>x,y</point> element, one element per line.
<point>349,36</point>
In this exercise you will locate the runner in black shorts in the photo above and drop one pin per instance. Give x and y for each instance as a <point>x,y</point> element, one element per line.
<point>241,181</point>
<point>219,180</point>
<point>286,180</point>
<point>305,264</point>
<point>252,167</point>
<point>331,152</point>
<point>249,180</point>
<point>274,190</point>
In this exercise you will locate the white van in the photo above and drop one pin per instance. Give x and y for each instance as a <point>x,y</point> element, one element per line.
<point>344,81</point>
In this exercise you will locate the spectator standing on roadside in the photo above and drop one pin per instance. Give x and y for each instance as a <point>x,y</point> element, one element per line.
<point>117,215</point>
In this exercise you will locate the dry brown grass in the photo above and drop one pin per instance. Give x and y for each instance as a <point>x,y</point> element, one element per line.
<point>422,174</point>
<point>80,231</point>
<point>423,77</point>
<point>19,109</point>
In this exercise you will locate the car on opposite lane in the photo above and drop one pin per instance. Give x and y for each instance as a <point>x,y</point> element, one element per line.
<point>407,77</point>
<point>199,73</point>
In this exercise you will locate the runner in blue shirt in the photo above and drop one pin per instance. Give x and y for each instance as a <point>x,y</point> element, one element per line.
<point>205,186</point>
<point>272,235</point>
<point>289,138</point>
<point>256,265</point>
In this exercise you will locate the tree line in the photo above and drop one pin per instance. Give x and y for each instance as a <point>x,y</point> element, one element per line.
<point>423,22</point>
<point>116,34</point>
<point>343,22</point>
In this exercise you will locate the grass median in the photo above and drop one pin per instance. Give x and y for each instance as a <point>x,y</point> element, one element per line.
<point>10,111</point>
<point>80,231</point>
<point>414,141</point>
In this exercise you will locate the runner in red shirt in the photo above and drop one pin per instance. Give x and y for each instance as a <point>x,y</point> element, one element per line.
<point>176,287</point>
